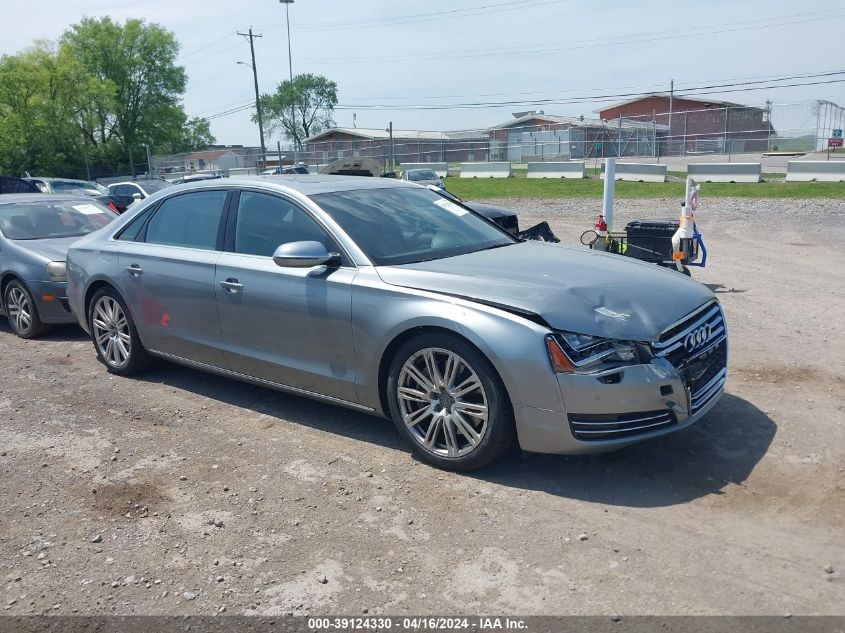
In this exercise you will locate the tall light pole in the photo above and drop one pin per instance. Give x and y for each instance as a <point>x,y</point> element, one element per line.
<point>287,4</point>
<point>252,37</point>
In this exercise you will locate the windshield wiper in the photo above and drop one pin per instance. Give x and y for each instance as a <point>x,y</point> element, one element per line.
<point>490,248</point>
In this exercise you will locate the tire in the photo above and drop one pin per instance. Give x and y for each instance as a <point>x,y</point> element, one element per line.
<point>22,311</point>
<point>113,332</point>
<point>447,427</point>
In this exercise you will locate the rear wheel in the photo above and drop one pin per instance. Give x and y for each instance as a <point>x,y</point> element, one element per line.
<point>449,404</point>
<point>21,310</point>
<point>113,331</point>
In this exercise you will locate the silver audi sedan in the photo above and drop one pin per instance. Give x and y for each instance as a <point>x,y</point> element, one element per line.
<point>385,297</point>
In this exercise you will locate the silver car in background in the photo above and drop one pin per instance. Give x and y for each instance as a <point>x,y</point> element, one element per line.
<point>35,232</point>
<point>422,177</point>
<point>387,298</point>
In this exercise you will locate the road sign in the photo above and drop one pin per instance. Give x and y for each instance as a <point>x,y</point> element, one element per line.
<point>834,142</point>
<point>837,133</point>
<point>597,145</point>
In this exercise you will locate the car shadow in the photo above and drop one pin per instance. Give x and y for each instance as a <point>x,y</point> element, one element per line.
<point>277,404</point>
<point>721,449</point>
<point>62,332</point>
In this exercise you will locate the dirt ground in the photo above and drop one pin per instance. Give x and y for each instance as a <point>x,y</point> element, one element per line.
<point>182,493</point>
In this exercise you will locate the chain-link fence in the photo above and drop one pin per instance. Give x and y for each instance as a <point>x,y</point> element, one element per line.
<point>798,127</point>
<point>733,129</point>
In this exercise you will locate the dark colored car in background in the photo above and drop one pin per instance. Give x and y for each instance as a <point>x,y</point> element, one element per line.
<point>10,184</point>
<point>137,190</point>
<point>35,233</point>
<point>81,187</point>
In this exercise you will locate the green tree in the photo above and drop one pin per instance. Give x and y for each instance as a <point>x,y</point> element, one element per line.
<point>300,108</point>
<point>43,93</point>
<point>195,135</point>
<point>137,61</point>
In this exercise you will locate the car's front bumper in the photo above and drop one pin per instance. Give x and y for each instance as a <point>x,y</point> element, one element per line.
<point>609,411</point>
<point>51,301</point>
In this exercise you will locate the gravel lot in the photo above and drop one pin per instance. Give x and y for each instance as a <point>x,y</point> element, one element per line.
<point>183,493</point>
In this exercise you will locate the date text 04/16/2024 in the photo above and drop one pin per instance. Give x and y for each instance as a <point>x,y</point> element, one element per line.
<point>422,623</point>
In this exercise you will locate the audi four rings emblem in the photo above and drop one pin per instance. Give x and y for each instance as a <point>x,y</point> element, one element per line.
<point>697,338</point>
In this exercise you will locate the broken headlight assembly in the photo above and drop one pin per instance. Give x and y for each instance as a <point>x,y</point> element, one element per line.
<point>572,353</point>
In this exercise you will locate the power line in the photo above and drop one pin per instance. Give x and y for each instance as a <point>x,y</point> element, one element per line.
<point>640,38</point>
<point>706,88</point>
<point>713,88</point>
<point>500,7</point>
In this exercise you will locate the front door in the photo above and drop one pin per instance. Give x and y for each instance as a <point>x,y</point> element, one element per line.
<point>290,326</point>
<point>167,276</point>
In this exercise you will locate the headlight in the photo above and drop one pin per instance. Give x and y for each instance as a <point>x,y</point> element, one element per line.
<point>57,271</point>
<point>572,353</point>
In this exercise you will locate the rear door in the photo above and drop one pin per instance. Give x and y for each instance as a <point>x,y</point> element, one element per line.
<point>167,276</point>
<point>291,326</point>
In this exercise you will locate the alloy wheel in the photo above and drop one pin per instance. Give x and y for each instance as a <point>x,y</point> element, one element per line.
<point>18,309</point>
<point>442,402</point>
<point>111,332</point>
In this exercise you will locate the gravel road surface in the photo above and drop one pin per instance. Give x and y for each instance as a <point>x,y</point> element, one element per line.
<point>178,492</point>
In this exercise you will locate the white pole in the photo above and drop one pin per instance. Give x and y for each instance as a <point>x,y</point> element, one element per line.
<point>609,186</point>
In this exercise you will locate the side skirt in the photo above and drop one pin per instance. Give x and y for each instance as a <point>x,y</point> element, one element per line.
<point>228,373</point>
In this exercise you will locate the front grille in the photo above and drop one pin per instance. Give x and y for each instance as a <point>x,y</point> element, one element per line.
<point>591,428</point>
<point>703,363</point>
<point>706,375</point>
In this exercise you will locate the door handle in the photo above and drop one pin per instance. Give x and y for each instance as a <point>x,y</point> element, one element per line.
<point>232,285</point>
<point>135,270</point>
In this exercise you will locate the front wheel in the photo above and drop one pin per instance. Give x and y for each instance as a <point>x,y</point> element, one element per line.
<point>22,312</point>
<point>449,404</point>
<point>113,331</point>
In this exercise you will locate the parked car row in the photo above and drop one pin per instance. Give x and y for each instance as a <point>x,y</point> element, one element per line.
<point>379,295</point>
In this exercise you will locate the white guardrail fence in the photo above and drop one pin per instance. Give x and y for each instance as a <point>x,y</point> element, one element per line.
<point>568,169</point>
<point>725,172</point>
<point>441,169</point>
<point>486,170</point>
<point>815,170</point>
<point>638,172</point>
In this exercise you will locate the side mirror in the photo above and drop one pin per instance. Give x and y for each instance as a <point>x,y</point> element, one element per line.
<point>137,196</point>
<point>305,254</point>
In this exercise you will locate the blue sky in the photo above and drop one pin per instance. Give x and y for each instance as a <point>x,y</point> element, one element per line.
<point>473,51</point>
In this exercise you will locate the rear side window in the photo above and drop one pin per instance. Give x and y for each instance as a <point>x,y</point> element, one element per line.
<point>191,220</point>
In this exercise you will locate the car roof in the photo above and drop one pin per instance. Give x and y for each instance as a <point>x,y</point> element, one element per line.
<point>306,184</point>
<point>11,198</point>
<point>51,179</point>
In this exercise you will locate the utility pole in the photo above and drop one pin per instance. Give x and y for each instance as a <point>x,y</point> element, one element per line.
<point>392,157</point>
<point>769,125</point>
<point>287,4</point>
<point>671,104</point>
<point>252,37</point>
<point>149,162</point>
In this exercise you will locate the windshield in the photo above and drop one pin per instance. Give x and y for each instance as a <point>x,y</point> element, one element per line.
<point>42,220</point>
<point>406,225</point>
<point>74,186</point>
<point>421,174</point>
<point>151,186</point>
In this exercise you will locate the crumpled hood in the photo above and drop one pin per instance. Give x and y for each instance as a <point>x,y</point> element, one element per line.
<point>52,249</point>
<point>573,289</point>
